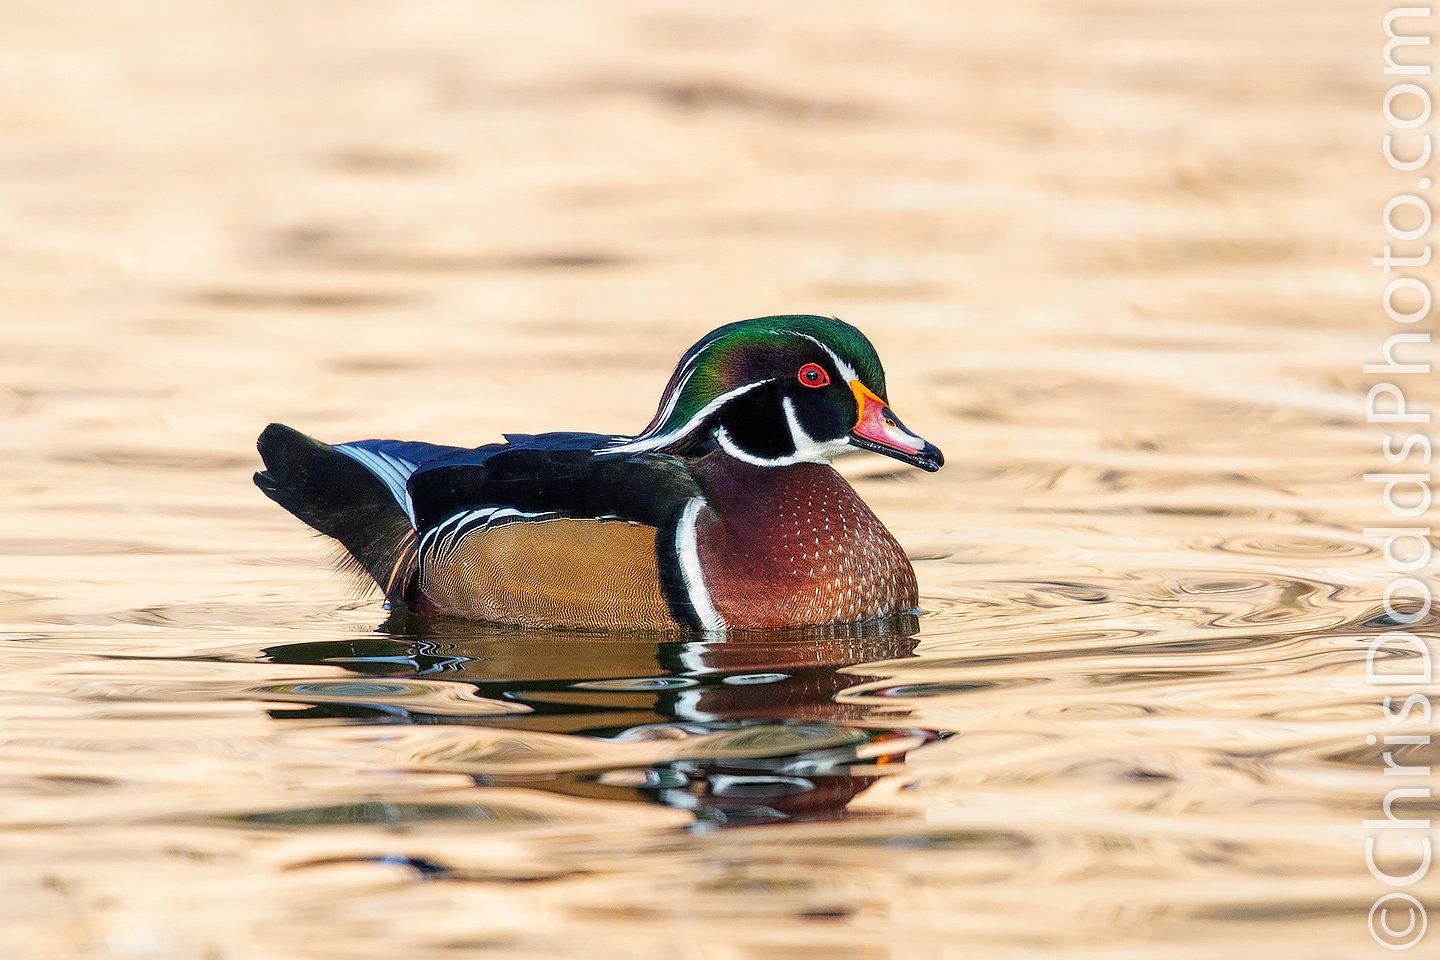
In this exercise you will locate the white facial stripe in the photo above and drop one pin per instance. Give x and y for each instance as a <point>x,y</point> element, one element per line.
<point>817,453</point>
<point>687,548</point>
<point>642,443</point>
<point>722,437</point>
<point>798,436</point>
<point>807,448</point>
<point>846,371</point>
<point>652,441</point>
<point>674,397</point>
<point>681,378</point>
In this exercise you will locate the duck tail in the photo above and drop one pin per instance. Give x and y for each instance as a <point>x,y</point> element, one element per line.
<point>348,492</point>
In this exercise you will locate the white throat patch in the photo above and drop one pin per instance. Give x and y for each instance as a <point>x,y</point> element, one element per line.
<point>807,448</point>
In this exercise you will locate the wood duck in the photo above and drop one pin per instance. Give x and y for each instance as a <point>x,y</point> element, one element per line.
<point>723,514</point>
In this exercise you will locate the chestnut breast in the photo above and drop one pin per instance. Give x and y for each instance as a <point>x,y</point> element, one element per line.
<point>795,545</point>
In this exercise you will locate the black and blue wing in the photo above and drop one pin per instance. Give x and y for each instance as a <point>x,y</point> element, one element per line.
<point>540,530</point>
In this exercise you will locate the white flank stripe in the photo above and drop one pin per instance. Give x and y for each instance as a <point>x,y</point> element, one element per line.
<point>688,548</point>
<point>393,471</point>
<point>442,540</point>
<point>447,526</point>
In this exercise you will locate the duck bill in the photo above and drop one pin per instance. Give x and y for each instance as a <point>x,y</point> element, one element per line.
<point>880,431</point>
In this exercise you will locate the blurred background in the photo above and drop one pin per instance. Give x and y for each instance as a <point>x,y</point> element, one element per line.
<point>1113,254</point>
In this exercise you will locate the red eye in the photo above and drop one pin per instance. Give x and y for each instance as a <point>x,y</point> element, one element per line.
<point>813,375</point>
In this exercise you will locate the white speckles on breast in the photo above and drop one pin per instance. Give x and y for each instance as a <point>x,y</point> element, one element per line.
<point>819,556</point>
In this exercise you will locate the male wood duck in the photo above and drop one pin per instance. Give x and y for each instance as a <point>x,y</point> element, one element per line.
<point>723,514</point>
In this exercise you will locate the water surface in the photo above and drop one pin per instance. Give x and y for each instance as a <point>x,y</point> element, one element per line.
<point>1112,271</point>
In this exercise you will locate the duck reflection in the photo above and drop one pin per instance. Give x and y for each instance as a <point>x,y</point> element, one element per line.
<point>781,685</point>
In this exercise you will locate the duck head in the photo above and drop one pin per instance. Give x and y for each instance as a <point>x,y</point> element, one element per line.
<point>776,391</point>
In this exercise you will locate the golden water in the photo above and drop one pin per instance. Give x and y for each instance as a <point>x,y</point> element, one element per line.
<point>1113,255</point>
